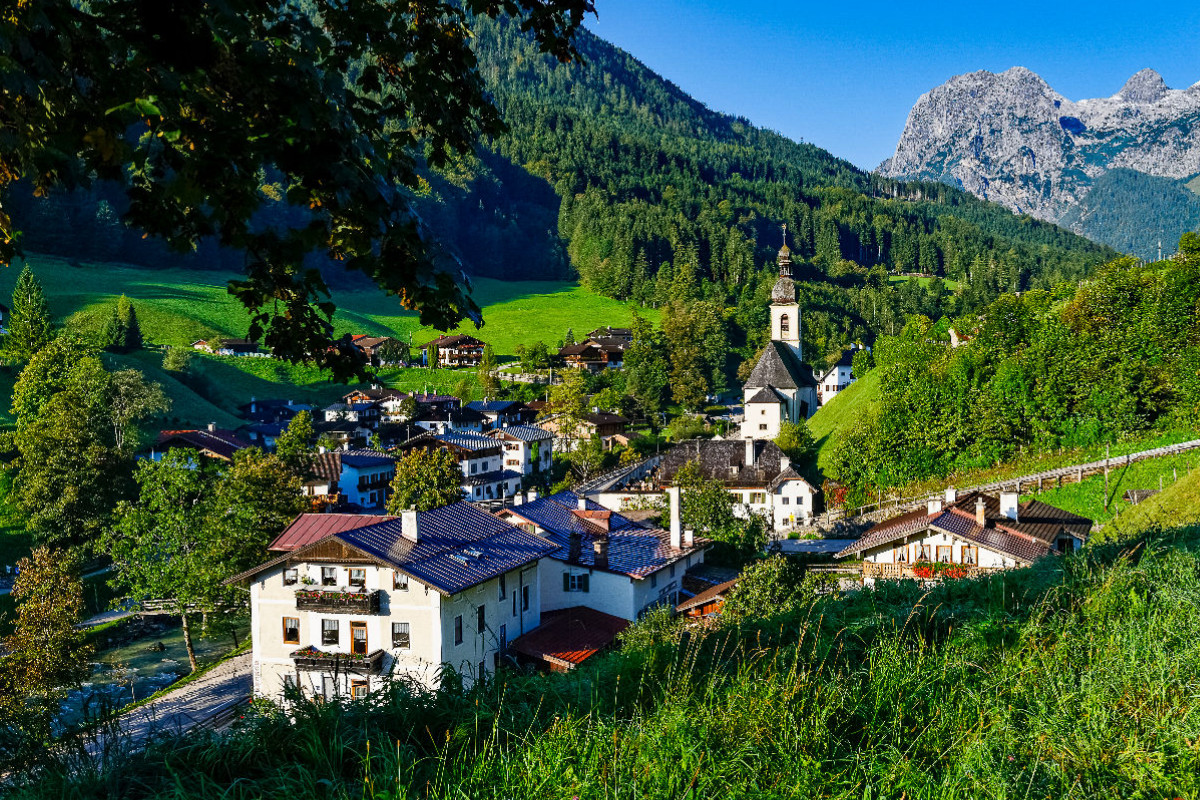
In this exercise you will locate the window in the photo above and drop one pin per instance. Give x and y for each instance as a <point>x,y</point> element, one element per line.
<point>502,589</point>
<point>785,501</point>
<point>289,683</point>
<point>945,553</point>
<point>400,581</point>
<point>474,468</point>
<point>902,555</point>
<point>758,498</point>
<point>923,552</point>
<point>672,570</point>
<point>359,689</point>
<point>524,598</point>
<point>358,577</point>
<point>291,577</point>
<point>358,638</point>
<point>329,631</point>
<point>784,324</point>
<point>480,622</point>
<point>762,427</point>
<point>575,583</point>
<point>969,555</point>
<point>654,580</point>
<point>458,629</point>
<point>329,576</point>
<point>400,635</point>
<point>291,630</point>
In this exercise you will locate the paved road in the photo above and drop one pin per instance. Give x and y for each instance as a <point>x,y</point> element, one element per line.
<point>183,709</point>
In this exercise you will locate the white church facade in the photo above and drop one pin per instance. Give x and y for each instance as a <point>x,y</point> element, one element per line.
<point>781,388</point>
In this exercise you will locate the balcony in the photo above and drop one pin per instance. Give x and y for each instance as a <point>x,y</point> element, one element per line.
<point>314,660</point>
<point>338,601</point>
<point>921,571</point>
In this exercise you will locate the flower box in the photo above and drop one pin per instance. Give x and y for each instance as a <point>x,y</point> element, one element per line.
<point>338,601</point>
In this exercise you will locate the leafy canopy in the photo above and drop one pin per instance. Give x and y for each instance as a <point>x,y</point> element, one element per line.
<point>186,107</point>
<point>425,480</point>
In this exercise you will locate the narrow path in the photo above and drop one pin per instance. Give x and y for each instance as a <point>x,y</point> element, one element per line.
<point>211,699</point>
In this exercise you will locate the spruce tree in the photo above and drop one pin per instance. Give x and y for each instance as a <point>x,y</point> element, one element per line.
<point>113,336</point>
<point>131,330</point>
<point>29,327</point>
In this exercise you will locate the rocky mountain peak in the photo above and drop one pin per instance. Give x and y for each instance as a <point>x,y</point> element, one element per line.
<point>1146,86</point>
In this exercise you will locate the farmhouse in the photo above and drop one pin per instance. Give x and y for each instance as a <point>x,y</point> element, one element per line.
<point>345,607</point>
<point>228,347</point>
<point>391,401</point>
<point>757,474</point>
<point>452,351</point>
<point>603,560</point>
<point>960,536</point>
<point>594,355</point>
<point>499,413</point>
<point>481,458</point>
<point>527,450</point>
<point>839,376</point>
<point>210,442</point>
<point>596,423</point>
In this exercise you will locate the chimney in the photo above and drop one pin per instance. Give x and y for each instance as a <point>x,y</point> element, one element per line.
<point>409,526</point>
<point>749,452</point>
<point>574,547</point>
<point>533,494</point>
<point>676,523</point>
<point>951,496</point>
<point>600,552</point>
<point>689,538</point>
<point>935,506</point>
<point>1008,504</point>
<point>785,463</point>
<point>518,498</point>
<point>212,426</point>
<point>581,503</point>
<point>980,512</point>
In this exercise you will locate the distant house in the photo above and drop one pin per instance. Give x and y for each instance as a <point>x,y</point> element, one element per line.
<point>271,410</point>
<point>265,434</point>
<point>839,376</point>
<point>500,412</point>
<point>211,442</point>
<point>959,536</point>
<point>367,414</point>
<point>593,355</point>
<point>623,335</point>
<point>452,352</point>
<point>706,603</point>
<point>437,402</point>
<point>597,423</point>
<point>604,560</point>
<point>370,346</point>
<point>400,434</point>
<point>389,400</point>
<point>360,478</point>
<point>346,607</point>
<point>343,432</point>
<point>757,473</point>
<point>527,449</point>
<point>482,461</point>
<point>451,420</point>
<point>229,347</point>
<point>958,339</point>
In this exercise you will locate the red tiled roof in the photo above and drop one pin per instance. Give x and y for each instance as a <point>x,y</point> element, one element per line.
<point>708,595</point>
<point>308,528</point>
<point>570,636</point>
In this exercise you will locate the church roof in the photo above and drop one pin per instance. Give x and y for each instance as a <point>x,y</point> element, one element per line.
<point>779,367</point>
<point>768,394</point>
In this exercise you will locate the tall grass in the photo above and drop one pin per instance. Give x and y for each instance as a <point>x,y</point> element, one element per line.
<point>1078,677</point>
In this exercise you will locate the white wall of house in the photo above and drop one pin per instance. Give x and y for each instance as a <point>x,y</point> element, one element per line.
<point>834,381</point>
<point>762,420</point>
<point>606,591</point>
<point>792,503</point>
<point>506,616</point>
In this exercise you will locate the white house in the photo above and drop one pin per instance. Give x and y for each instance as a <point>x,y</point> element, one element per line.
<point>341,612</point>
<point>756,473</point>
<point>527,449</point>
<point>481,459</point>
<point>603,560</point>
<point>961,536</point>
<point>362,477</point>
<point>781,387</point>
<point>839,376</point>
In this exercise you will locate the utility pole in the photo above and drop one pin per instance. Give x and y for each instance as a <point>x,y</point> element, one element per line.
<point>1106,477</point>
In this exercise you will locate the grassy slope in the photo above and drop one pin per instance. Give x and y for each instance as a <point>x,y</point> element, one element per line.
<point>841,412</point>
<point>1177,505</point>
<point>177,307</point>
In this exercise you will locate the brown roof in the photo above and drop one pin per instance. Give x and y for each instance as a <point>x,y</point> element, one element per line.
<point>570,636</point>
<point>220,443</point>
<point>707,596</point>
<point>456,340</point>
<point>308,528</point>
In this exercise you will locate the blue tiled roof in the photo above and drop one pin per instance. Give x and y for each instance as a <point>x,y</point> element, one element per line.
<point>632,549</point>
<point>459,546</point>
<point>467,441</point>
<point>365,458</point>
<point>496,406</point>
<point>527,433</point>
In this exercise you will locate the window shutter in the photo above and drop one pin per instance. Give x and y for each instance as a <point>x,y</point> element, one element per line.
<point>566,581</point>
<point>583,582</point>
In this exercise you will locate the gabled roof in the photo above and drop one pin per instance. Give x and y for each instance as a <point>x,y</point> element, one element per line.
<point>360,459</point>
<point>378,395</point>
<point>605,418</point>
<point>473,442</point>
<point>570,636</point>
<point>524,433</point>
<point>455,416</point>
<point>221,443</point>
<point>768,394</point>
<point>308,528</point>
<point>633,550</point>
<point>455,340</point>
<point>725,460</point>
<point>1032,535</point>
<point>494,406</point>
<point>458,547</point>
<point>707,596</point>
<point>779,367</point>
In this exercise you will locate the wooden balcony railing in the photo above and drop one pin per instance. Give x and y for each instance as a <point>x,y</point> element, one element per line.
<point>337,601</point>
<point>922,570</point>
<point>310,658</point>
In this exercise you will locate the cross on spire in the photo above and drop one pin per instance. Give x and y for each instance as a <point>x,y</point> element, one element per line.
<point>785,234</point>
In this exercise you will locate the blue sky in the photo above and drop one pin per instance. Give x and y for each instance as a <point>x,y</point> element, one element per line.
<point>844,75</point>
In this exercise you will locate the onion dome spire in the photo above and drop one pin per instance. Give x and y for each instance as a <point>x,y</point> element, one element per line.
<point>784,259</point>
<point>784,290</point>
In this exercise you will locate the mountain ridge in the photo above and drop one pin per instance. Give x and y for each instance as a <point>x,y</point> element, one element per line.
<point>1011,138</point>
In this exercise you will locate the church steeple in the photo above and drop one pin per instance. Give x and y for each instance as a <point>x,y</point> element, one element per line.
<point>784,290</point>
<point>784,259</point>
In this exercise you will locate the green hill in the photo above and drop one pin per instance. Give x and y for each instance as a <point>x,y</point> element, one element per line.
<point>848,407</point>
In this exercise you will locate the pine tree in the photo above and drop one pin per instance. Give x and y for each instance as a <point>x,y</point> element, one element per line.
<point>113,336</point>
<point>131,330</point>
<point>30,327</point>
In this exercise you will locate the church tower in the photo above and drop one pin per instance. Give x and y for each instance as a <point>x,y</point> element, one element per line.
<point>785,311</point>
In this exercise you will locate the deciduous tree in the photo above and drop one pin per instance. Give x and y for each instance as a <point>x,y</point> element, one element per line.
<point>426,479</point>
